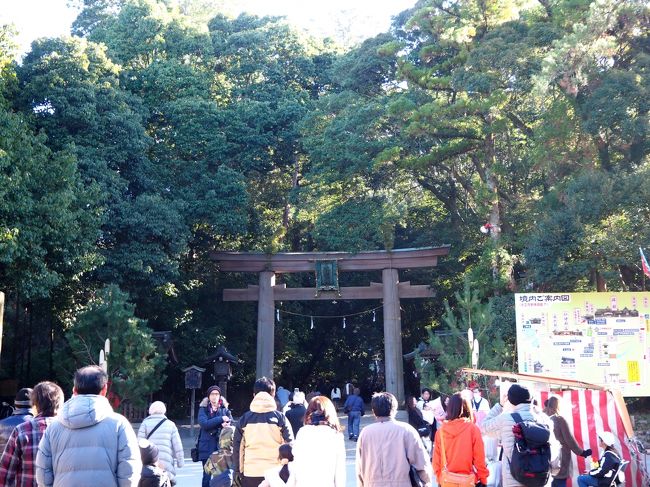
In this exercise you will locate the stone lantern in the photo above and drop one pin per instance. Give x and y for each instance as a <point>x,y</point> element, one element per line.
<point>222,361</point>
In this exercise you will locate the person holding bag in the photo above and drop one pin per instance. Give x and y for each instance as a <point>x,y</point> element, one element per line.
<point>213,415</point>
<point>163,433</point>
<point>458,452</point>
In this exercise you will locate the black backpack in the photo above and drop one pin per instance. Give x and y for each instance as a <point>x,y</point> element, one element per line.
<point>530,464</point>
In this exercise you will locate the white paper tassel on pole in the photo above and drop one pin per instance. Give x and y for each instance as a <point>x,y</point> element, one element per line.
<point>475,354</point>
<point>344,322</point>
<point>374,316</point>
<point>470,337</point>
<point>277,315</point>
<point>102,361</point>
<point>312,323</point>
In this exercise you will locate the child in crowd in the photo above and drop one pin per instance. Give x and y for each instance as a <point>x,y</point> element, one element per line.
<point>282,476</point>
<point>152,475</point>
<point>603,473</point>
<point>219,465</point>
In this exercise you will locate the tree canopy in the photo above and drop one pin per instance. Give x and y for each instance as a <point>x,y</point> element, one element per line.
<point>155,134</point>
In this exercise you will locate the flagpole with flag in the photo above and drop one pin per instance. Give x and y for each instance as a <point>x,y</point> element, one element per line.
<point>644,266</point>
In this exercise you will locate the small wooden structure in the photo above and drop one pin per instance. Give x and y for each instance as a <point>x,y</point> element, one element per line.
<point>390,290</point>
<point>193,379</point>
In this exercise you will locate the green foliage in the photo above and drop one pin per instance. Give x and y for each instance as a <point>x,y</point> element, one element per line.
<point>449,351</point>
<point>601,63</point>
<point>354,226</point>
<point>135,366</point>
<point>47,233</point>
<point>166,130</point>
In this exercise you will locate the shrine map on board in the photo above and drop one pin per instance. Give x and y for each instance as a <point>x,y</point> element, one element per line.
<point>601,338</point>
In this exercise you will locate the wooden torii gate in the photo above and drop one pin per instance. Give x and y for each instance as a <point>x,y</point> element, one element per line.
<point>390,290</point>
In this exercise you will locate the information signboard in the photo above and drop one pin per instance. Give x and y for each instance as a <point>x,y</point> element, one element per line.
<point>601,338</point>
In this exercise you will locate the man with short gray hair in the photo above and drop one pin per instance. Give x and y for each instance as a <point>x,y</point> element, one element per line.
<point>88,444</point>
<point>387,449</point>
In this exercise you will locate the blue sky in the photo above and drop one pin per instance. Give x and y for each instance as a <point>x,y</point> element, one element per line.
<point>358,18</point>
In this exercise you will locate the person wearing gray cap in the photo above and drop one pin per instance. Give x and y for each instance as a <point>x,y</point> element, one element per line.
<point>22,412</point>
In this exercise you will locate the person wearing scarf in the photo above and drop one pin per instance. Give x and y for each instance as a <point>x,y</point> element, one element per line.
<point>319,448</point>
<point>213,415</point>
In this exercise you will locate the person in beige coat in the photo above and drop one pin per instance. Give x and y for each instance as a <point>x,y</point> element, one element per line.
<point>387,448</point>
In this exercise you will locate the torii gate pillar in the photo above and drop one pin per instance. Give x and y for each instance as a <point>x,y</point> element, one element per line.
<point>265,325</point>
<point>394,368</point>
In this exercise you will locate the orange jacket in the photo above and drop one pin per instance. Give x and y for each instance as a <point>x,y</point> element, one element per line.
<point>463,448</point>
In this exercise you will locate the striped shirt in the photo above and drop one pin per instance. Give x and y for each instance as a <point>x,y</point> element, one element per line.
<point>17,461</point>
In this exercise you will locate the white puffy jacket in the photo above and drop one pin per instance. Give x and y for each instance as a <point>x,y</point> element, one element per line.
<point>319,457</point>
<point>90,445</point>
<point>168,441</point>
<point>498,424</point>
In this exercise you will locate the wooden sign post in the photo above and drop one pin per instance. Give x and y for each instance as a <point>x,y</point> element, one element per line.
<point>193,378</point>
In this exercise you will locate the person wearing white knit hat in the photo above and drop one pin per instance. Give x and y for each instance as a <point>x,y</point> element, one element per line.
<point>602,473</point>
<point>295,411</point>
<point>163,433</point>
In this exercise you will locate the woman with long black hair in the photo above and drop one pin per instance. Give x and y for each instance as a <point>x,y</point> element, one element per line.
<point>567,441</point>
<point>418,422</point>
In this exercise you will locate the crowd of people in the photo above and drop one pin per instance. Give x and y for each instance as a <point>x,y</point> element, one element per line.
<point>286,439</point>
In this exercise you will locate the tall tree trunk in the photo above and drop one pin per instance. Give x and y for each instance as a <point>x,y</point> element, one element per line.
<point>30,323</point>
<point>51,337</point>
<point>494,218</point>
<point>603,153</point>
<point>453,205</point>
<point>598,280</point>
<point>294,185</point>
<point>14,335</point>
<point>23,337</point>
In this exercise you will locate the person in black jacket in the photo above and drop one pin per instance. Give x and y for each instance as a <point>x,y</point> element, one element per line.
<point>415,417</point>
<point>418,422</point>
<point>296,412</point>
<point>354,408</point>
<point>213,415</point>
<point>603,473</point>
<point>152,475</point>
<point>22,412</point>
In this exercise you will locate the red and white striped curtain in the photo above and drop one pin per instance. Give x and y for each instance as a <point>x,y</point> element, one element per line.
<point>592,411</point>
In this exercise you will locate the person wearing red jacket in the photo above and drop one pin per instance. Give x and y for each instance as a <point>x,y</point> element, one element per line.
<point>464,450</point>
